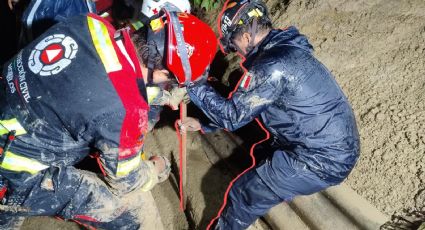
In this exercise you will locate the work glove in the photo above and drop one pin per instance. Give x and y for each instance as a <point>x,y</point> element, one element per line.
<point>172,98</point>
<point>189,124</point>
<point>159,168</point>
<point>163,166</point>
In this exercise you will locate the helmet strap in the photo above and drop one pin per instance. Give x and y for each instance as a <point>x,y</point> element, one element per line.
<point>253,30</point>
<point>181,46</point>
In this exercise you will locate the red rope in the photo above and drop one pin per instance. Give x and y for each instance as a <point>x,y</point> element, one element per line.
<point>180,163</point>
<point>96,156</point>
<point>251,153</point>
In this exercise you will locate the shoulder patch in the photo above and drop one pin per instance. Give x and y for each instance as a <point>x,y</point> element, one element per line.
<point>52,54</point>
<point>103,44</point>
<point>245,82</point>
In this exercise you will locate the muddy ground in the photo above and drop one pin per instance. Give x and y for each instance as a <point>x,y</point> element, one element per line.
<point>376,50</point>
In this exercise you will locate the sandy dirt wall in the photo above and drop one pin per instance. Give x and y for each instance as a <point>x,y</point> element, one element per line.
<point>376,50</point>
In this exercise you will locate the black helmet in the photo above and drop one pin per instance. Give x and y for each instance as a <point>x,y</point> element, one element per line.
<point>238,12</point>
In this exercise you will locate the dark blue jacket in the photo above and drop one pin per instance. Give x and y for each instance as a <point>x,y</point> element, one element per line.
<point>298,100</point>
<point>42,14</point>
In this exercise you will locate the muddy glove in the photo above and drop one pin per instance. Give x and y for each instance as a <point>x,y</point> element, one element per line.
<point>163,166</point>
<point>159,169</point>
<point>172,98</point>
<point>190,124</point>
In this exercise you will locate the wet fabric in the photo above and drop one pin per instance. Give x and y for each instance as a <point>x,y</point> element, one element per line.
<point>313,127</point>
<point>276,180</point>
<point>298,100</point>
<point>71,194</point>
<point>74,90</point>
<point>42,14</point>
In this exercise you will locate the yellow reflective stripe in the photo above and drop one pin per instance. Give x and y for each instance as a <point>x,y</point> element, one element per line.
<point>17,163</point>
<point>157,24</point>
<point>126,167</point>
<point>3,130</point>
<point>13,124</point>
<point>152,93</point>
<point>103,45</point>
<point>255,12</point>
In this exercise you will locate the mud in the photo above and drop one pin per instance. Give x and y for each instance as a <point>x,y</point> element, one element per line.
<point>376,50</point>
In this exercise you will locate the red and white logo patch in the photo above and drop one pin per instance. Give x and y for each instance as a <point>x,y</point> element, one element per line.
<point>52,54</point>
<point>245,81</point>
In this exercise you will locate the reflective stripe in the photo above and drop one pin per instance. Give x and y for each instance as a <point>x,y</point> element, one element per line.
<point>12,124</point>
<point>103,45</point>
<point>30,19</point>
<point>90,6</point>
<point>255,12</point>
<point>124,51</point>
<point>17,163</point>
<point>125,167</point>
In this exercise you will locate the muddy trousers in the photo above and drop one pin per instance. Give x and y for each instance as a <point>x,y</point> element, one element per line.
<point>278,179</point>
<point>68,193</point>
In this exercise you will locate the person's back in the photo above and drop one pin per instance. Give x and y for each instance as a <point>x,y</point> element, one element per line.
<point>72,89</point>
<point>80,86</point>
<point>59,89</point>
<point>310,117</point>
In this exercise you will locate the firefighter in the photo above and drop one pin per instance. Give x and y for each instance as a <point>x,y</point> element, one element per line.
<point>80,86</point>
<point>315,142</point>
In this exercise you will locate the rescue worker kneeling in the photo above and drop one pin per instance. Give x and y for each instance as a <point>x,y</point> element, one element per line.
<point>79,86</point>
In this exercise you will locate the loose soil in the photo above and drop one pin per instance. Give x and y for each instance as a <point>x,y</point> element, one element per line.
<point>376,50</point>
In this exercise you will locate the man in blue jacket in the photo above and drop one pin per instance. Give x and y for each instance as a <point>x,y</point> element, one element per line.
<point>313,127</point>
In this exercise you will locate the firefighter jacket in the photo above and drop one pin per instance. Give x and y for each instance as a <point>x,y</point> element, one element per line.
<point>74,88</point>
<point>297,99</point>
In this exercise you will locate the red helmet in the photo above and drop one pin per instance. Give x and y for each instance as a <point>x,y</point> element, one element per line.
<point>187,45</point>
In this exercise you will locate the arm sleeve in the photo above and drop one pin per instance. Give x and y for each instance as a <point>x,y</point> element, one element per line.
<point>245,104</point>
<point>125,169</point>
<point>209,127</point>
